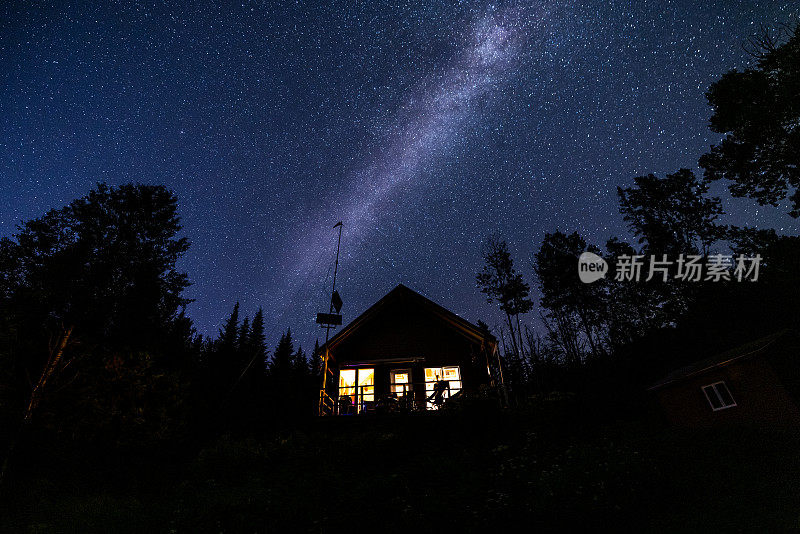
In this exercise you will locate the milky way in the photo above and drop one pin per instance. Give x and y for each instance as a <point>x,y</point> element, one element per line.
<point>427,125</point>
<point>423,126</point>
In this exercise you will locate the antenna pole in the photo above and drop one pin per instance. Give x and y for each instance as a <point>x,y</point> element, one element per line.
<point>326,356</point>
<point>336,268</point>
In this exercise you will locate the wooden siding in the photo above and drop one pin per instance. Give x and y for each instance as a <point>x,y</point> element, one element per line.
<point>760,396</point>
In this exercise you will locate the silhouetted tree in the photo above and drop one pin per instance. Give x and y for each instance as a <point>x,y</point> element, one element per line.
<point>223,361</point>
<point>569,301</point>
<point>100,271</point>
<point>300,364</point>
<point>243,342</point>
<point>671,215</point>
<point>758,110</point>
<point>229,334</point>
<point>632,309</point>
<point>282,387</point>
<point>500,282</point>
<point>257,341</point>
<point>281,363</point>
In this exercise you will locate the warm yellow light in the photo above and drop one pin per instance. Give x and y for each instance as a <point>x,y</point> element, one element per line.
<point>347,378</point>
<point>366,383</point>
<point>450,374</point>
<point>398,379</point>
<point>366,377</point>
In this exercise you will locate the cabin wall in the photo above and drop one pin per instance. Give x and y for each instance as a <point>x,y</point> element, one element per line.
<point>409,331</point>
<point>401,331</point>
<point>761,398</point>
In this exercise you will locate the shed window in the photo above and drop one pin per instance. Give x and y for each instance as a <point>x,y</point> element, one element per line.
<point>719,396</point>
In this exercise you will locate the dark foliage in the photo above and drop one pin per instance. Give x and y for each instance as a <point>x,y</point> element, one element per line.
<point>97,339</point>
<point>671,215</point>
<point>758,110</point>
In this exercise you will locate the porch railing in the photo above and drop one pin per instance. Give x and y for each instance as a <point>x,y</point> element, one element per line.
<point>327,405</point>
<point>363,399</point>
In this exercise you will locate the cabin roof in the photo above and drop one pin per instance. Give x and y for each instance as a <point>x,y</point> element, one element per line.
<point>748,350</point>
<point>400,293</point>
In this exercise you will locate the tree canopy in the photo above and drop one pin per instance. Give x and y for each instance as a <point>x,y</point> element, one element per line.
<point>671,215</point>
<point>105,263</point>
<point>758,110</point>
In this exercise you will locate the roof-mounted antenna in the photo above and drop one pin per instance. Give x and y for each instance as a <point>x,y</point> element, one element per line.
<point>330,320</point>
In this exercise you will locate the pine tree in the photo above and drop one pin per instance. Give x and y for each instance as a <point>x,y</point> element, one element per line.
<point>243,341</point>
<point>300,364</point>
<point>257,341</point>
<point>281,362</point>
<point>281,387</point>
<point>230,332</point>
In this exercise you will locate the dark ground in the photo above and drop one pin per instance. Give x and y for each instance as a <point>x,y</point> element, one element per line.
<point>463,472</point>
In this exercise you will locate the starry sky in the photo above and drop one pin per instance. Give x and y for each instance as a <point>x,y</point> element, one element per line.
<point>424,127</point>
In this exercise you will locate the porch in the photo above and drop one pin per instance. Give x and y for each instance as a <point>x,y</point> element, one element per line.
<point>394,391</point>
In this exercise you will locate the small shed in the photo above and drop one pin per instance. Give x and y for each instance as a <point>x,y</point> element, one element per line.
<point>757,384</point>
<point>405,353</point>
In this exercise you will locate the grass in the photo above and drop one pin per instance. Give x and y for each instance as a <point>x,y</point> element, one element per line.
<point>452,472</point>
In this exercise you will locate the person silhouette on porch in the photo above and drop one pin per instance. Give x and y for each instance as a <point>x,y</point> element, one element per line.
<point>439,387</point>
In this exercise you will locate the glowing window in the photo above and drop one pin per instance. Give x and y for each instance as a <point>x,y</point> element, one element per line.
<point>366,384</point>
<point>347,390</point>
<point>401,380</point>
<point>356,386</point>
<point>450,375</point>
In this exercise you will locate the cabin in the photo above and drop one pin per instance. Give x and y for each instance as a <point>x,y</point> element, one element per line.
<point>405,353</point>
<point>757,384</point>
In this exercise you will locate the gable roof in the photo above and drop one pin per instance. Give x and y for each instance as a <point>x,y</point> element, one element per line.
<point>402,292</point>
<point>748,350</point>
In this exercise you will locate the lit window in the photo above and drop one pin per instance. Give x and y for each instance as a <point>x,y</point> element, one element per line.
<point>347,390</point>
<point>450,375</point>
<point>366,384</point>
<point>401,382</point>
<point>356,386</point>
<point>718,396</point>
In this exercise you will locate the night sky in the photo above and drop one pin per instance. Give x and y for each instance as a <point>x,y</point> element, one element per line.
<point>423,127</point>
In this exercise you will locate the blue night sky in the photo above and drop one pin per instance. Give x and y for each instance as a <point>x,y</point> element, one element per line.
<point>424,127</point>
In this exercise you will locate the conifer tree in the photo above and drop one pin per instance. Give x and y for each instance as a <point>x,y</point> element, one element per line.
<point>281,362</point>
<point>243,341</point>
<point>230,332</point>
<point>300,364</point>
<point>257,341</point>
<point>282,391</point>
